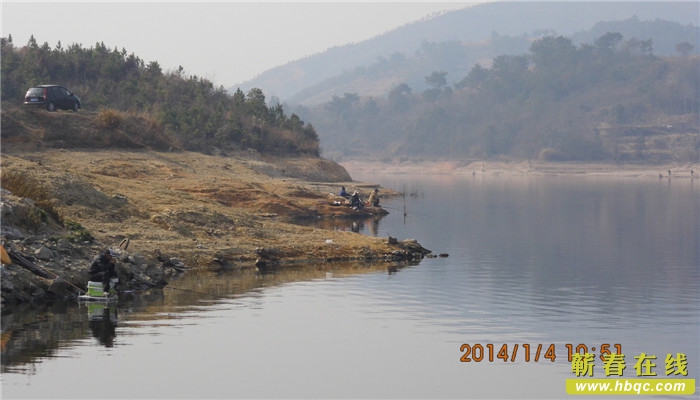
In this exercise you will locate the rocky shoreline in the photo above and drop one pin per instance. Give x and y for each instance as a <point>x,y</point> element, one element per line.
<point>167,213</point>
<point>515,168</point>
<point>50,264</point>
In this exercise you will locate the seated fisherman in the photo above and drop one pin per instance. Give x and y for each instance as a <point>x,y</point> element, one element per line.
<point>343,193</point>
<point>374,198</point>
<point>355,201</point>
<point>102,269</point>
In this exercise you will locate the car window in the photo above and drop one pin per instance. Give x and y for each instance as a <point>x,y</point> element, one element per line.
<point>35,91</point>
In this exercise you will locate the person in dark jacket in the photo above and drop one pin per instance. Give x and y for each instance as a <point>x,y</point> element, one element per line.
<point>355,201</point>
<point>102,269</point>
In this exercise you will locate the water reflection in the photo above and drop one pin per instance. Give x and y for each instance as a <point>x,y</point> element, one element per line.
<point>369,225</point>
<point>551,261</point>
<point>31,333</point>
<point>102,319</point>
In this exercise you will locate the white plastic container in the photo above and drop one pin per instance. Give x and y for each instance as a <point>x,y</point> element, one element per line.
<point>95,289</point>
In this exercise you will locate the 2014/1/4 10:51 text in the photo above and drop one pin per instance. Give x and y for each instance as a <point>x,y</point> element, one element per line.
<point>489,352</point>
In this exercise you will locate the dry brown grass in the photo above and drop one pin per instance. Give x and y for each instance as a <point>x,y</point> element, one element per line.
<point>209,211</point>
<point>22,184</point>
<point>109,119</point>
<point>33,129</point>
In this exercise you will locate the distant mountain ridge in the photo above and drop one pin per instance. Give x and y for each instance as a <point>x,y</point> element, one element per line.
<point>316,78</point>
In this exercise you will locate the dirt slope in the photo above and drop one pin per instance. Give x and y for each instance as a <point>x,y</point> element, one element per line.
<point>77,183</point>
<point>193,203</point>
<point>209,212</point>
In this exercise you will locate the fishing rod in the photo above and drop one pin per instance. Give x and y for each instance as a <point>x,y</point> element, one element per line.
<point>37,269</point>
<point>402,209</point>
<point>196,292</point>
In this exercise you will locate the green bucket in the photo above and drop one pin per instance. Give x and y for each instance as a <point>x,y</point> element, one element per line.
<point>95,289</point>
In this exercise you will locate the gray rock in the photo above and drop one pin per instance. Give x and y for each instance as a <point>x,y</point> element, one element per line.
<point>12,233</point>
<point>61,288</point>
<point>175,262</point>
<point>63,244</point>
<point>6,284</point>
<point>27,201</point>
<point>44,253</point>
<point>6,209</point>
<point>137,259</point>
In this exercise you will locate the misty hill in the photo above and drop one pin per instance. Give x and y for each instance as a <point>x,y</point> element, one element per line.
<point>454,41</point>
<point>456,58</point>
<point>609,100</point>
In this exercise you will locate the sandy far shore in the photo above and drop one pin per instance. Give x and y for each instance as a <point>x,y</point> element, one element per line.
<point>448,167</point>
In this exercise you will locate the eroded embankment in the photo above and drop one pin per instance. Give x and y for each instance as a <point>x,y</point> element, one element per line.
<point>177,211</point>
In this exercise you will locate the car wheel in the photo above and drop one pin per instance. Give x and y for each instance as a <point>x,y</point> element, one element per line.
<point>76,106</point>
<point>51,106</point>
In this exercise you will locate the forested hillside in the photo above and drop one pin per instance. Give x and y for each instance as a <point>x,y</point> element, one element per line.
<point>457,57</point>
<point>454,41</point>
<point>120,88</point>
<point>611,99</point>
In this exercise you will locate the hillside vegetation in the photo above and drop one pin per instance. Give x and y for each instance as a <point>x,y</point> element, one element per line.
<point>454,41</point>
<point>610,100</point>
<point>456,57</point>
<point>164,109</point>
<point>130,168</point>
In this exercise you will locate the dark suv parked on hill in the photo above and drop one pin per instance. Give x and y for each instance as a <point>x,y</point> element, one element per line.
<point>52,97</point>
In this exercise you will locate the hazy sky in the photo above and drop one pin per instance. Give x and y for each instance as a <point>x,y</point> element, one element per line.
<point>226,42</point>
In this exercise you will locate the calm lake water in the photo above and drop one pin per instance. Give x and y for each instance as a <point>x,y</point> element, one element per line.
<point>551,261</point>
